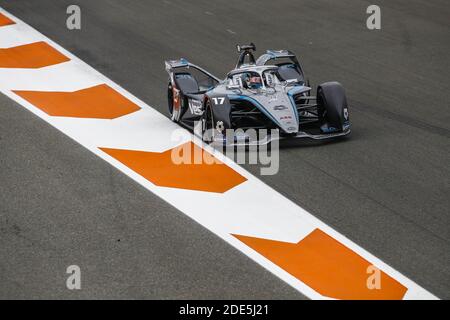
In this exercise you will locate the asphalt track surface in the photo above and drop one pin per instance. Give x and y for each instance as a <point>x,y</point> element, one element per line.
<point>386,187</point>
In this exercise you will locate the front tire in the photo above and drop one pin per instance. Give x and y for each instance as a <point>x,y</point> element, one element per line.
<point>332,104</point>
<point>207,123</point>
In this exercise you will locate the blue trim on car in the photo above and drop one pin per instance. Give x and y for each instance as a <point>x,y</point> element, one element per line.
<point>183,61</point>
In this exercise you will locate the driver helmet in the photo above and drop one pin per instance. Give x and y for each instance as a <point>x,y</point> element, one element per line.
<point>253,81</point>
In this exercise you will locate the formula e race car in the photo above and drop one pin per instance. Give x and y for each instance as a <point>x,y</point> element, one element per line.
<point>266,93</point>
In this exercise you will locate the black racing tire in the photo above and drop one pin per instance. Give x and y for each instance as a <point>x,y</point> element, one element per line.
<point>170,99</point>
<point>175,115</point>
<point>332,104</point>
<point>208,122</point>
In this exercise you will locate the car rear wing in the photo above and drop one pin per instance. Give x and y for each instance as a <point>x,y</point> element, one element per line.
<point>172,65</point>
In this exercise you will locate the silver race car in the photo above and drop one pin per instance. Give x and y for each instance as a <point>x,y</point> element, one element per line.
<point>268,93</point>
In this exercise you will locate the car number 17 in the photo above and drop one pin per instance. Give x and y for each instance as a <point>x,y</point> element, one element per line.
<point>219,100</point>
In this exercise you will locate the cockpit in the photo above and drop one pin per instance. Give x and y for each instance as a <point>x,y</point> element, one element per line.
<point>255,80</point>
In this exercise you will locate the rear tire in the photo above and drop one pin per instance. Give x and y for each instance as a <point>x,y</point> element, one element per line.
<point>170,100</point>
<point>174,113</point>
<point>332,104</point>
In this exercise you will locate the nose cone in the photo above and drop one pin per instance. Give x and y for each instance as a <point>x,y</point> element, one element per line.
<point>281,111</point>
<point>288,120</point>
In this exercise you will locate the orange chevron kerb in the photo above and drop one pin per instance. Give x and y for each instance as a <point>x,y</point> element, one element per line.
<point>5,21</point>
<point>327,266</point>
<point>160,169</point>
<point>99,102</point>
<point>31,56</point>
